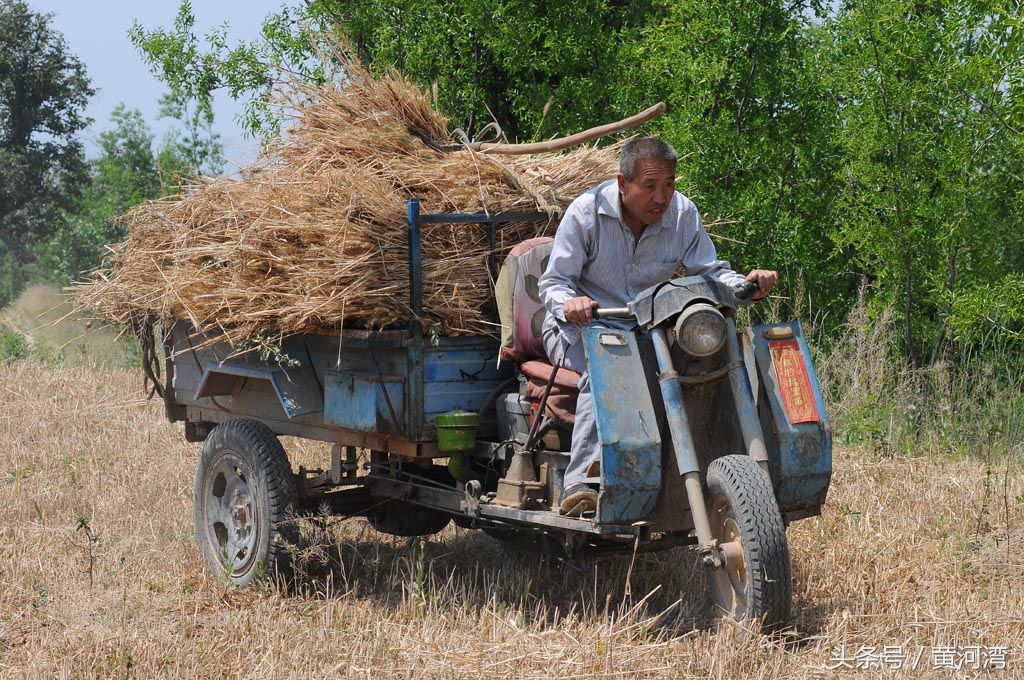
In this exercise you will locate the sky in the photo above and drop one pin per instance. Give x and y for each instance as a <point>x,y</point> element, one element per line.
<point>97,32</point>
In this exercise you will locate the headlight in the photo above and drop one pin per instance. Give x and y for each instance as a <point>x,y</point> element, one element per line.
<point>700,330</point>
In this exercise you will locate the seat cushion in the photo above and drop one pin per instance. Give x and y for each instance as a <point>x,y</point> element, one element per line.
<point>561,403</point>
<point>518,295</point>
<point>566,380</point>
<point>522,316</point>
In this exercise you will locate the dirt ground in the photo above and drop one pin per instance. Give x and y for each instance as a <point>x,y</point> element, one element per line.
<point>915,567</point>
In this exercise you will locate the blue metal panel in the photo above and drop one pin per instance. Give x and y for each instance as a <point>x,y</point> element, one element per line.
<point>415,259</point>
<point>465,365</point>
<point>441,397</point>
<point>801,458</point>
<point>296,388</point>
<point>627,426</point>
<point>298,391</point>
<point>359,402</point>
<point>460,373</point>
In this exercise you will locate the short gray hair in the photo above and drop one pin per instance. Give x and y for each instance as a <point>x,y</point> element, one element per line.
<point>645,149</point>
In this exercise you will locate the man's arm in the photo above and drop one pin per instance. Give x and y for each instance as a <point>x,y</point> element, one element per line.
<point>559,284</point>
<point>702,258</point>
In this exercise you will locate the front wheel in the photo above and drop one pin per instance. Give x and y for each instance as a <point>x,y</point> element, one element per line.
<point>243,493</point>
<point>753,585</point>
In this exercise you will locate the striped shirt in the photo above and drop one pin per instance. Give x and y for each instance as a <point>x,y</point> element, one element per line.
<point>596,255</point>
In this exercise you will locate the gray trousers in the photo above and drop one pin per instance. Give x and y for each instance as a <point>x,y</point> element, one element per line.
<point>585,447</point>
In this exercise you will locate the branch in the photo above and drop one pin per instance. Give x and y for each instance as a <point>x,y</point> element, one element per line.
<point>562,142</point>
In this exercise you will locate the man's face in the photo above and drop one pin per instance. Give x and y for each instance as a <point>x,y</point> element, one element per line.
<point>646,197</point>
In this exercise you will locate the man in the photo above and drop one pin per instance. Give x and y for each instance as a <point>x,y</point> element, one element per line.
<point>614,241</point>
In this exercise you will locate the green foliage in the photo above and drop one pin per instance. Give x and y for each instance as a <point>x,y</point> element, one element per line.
<point>43,93</point>
<point>13,344</point>
<point>192,150</point>
<point>930,103</point>
<point>540,69</point>
<point>124,175</point>
<point>247,70</point>
<point>969,404</point>
<point>748,110</point>
<point>986,309</point>
<point>57,211</point>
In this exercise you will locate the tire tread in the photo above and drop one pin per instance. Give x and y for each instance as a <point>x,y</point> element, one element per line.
<point>764,537</point>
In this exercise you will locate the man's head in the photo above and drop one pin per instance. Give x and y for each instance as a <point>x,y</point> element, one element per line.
<point>647,180</point>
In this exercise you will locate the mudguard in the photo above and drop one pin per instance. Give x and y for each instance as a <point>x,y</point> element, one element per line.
<point>627,426</point>
<point>792,412</point>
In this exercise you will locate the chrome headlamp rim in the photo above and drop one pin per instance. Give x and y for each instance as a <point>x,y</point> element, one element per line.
<point>689,324</point>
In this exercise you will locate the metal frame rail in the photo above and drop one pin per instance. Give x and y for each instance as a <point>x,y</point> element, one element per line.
<point>415,219</point>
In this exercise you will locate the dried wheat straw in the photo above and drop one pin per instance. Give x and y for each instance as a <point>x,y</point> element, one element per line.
<point>314,233</point>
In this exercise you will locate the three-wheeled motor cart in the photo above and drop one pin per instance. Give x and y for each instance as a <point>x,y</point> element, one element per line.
<point>709,435</point>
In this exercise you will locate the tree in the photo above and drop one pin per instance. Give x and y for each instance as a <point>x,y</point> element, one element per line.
<point>192,150</point>
<point>930,99</point>
<point>124,175</point>
<point>873,140</point>
<point>128,172</point>
<point>539,68</point>
<point>751,118</point>
<point>43,92</point>
<point>746,102</point>
<point>247,71</point>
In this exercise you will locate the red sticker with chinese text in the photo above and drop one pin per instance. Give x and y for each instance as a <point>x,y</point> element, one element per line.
<point>794,384</point>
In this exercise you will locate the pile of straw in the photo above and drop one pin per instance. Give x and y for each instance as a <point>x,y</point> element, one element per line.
<point>313,236</point>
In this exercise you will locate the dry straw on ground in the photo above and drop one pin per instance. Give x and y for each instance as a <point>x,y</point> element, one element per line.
<point>314,235</point>
<point>101,576</point>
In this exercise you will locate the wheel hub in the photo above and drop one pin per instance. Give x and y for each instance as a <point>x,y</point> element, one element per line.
<point>227,507</point>
<point>732,555</point>
<point>240,511</point>
<point>729,579</point>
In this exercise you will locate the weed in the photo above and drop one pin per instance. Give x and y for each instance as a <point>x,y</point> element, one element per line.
<point>123,663</point>
<point>13,344</point>
<point>261,580</point>
<point>41,595</point>
<point>18,474</point>
<point>970,403</point>
<point>268,348</point>
<point>83,525</point>
<point>850,515</point>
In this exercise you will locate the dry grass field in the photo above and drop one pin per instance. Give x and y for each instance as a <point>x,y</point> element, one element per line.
<point>100,576</point>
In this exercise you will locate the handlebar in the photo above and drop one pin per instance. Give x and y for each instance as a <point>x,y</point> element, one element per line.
<point>612,313</point>
<point>746,289</point>
<point>742,292</point>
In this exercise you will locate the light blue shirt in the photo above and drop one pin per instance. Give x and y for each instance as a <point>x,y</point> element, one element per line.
<point>595,254</point>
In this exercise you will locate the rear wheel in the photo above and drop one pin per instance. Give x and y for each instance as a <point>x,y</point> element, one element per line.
<point>754,583</point>
<point>243,493</point>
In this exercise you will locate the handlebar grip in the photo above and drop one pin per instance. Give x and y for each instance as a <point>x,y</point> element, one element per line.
<point>612,312</point>
<point>745,290</point>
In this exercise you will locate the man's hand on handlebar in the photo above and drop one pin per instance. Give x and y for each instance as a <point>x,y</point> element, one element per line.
<point>765,280</point>
<point>579,310</point>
